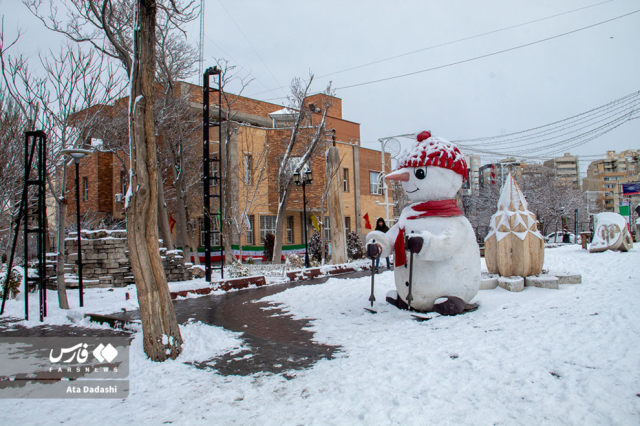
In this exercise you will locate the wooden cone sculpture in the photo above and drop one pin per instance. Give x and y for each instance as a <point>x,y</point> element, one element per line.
<point>514,246</point>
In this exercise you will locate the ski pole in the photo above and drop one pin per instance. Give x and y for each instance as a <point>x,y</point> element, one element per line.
<point>410,296</point>
<point>372,298</point>
<point>372,251</point>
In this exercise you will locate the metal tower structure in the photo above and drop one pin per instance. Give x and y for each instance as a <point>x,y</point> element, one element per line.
<point>32,211</point>
<point>212,173</point>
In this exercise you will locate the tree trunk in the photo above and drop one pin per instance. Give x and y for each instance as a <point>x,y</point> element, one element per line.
<point>230,155</point>
<point>280,219</point>
<point>161,333</point>
<point>335,208</point>
<point>63,301</point>
<point>163,218</point>
<point>191,232</point>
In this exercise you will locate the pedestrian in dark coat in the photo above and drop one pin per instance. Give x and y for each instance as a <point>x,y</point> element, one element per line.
<point>382,227</point>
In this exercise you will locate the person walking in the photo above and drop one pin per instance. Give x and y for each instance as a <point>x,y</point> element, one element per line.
<point>382,227</point>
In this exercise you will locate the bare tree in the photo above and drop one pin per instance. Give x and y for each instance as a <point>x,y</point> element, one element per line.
<point>177,123</point>
<point>72,92</point>
<point>551,198</point>
<point>303,126</point>
<point>162,338</point>
<point>12,124</point>
<point>251,175</point>
<point>110,26</point>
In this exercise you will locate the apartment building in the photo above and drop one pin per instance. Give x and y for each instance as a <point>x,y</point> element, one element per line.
<point>566,167</point>
<point>606,176</point>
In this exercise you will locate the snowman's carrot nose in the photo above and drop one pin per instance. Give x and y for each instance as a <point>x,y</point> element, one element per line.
<point>401,175</point>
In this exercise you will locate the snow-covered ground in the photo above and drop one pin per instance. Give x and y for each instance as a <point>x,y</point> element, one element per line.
<point>567,356</point>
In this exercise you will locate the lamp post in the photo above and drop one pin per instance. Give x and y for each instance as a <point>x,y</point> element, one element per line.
<point>304,181</point>
<point>77,155</point>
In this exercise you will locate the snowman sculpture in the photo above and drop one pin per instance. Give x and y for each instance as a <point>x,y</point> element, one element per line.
<point>432,233</point>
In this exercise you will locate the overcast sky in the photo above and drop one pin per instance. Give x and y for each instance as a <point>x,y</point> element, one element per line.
<point>275,41</point>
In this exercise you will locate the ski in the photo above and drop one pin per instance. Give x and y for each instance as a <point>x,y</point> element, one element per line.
<point>423,318</point>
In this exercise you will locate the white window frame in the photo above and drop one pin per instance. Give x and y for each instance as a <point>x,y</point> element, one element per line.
<point>375,186</point>
<point>345,180</point>
<point>267,226</point>
<point>248,169</point>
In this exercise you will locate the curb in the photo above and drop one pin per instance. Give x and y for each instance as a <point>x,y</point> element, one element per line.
<point>226,285</point>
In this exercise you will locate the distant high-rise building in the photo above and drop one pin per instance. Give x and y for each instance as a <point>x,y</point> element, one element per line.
<point>473,165</point>
<point>566,168</point>
<point>605,177</point>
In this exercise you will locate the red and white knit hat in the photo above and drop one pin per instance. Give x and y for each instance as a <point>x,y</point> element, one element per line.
<point>434,151</point>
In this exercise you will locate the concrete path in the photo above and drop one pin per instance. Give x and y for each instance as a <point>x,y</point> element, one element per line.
<point>275,343</point>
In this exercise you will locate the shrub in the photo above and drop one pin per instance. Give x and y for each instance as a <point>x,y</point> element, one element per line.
<point>237,269</point>
<point>315,247</point>
<point>14,282</point>
<point>268,242</point>
<point>294,261</point>
<point>355,249</point>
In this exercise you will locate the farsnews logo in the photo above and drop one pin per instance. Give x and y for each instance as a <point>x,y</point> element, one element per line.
<point>80,354</point>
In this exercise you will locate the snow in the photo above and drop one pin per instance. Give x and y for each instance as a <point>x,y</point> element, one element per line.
<point>539,356</point>
<point>284,111</point>
<point>433,151</point>
<point>512,206</point>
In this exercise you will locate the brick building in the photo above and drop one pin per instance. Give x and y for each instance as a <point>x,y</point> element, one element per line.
<point>259,129</point>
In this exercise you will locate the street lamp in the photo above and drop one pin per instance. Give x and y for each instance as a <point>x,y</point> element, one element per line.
<point>304,181</point>
<point>77,155</point>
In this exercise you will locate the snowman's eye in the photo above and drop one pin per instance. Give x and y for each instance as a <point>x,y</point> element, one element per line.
<point>420,173</point>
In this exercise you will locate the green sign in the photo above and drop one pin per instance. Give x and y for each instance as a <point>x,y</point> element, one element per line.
<point>624,210</point>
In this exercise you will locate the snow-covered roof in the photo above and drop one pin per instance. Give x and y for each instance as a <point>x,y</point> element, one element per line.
<point>283,111</point>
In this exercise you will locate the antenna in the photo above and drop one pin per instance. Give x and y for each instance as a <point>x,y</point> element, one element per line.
<point>201,47</point>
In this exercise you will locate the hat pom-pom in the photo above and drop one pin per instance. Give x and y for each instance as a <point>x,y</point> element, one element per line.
<point>423,135</point>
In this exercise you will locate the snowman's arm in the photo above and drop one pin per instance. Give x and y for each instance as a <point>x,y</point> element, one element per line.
<point>443,245</point>
<point>382,239</point>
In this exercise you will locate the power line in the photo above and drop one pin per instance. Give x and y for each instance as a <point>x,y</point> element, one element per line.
<point>236,62</point>
<point>462,39</point>
<point>632,97</point>
<point>488,54</point>
<point>451,42</point>
<point>628,110</point>
<point>250,44</point>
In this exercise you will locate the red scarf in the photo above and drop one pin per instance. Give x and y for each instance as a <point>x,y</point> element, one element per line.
<point>441,208</point>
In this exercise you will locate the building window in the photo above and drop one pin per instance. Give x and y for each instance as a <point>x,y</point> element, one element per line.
<point>345,180</point>
<point>248,169</point>
<point>375,186</point>
<point>85,189</point>
<point>215,236</point>
<point>289,229</point>
<point>250,232</point>
<point>347,224</point>
<point>327,229</point>
<point>267,226</point>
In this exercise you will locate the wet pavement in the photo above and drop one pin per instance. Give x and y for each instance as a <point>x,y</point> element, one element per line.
<point>274,342</point>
